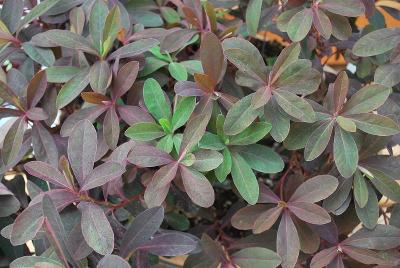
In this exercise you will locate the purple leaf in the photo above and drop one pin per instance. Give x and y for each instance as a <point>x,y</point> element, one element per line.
<point>43,144</point>
<point>365,256</point>
<point>82,147</point>
<point>382,237</point>
<point>287,243</point>
<point>27,225</point>
<point>144,155</point>
<point>36,114</point>
<point>141,229</point>
<point>133,114</point>
<point>36,88</point>
<point>309,212</point>
<point>315,189</point>
<point>47,173</point>
<point>266,220</point>
<point>102,174</point>
<point>244,218</point>
<point>267,195</point>
<point>170,244</point>
<point>125,78</point>
<point>113,261</point>
<point>111,128</point>
<point>324,257</point>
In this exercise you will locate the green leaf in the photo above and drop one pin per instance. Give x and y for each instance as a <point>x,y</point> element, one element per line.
<point>96,229</point>
<point>240,116</point>
<point>212,142</point>
<point>225,168</point>
<point>279,119</point>
<point>256,257</point>
<point>295,106</point>
<point>262,158</point>
<point>37,11</point>
<point>318,140</point>
<point>207,160</point>
<point>73,88</point>
<point>341,28</point>
<point>177,221</point>
<point>170,15</point>
<point>386,185</point>
<point>387,75</point>
<point>299,25</point>
<point>367,99</point>
<point>13,141</point>
<point>377,42</point>
<point>298,136</point>
<point>360,189</point>
<point>111,28</point>
<point>166,125</point>
<point>289,55</point>
<point>369,214</point>
<point>166,143</point>
<point>178,71</point>
<point>97,20</point>
<point>100,76</point>
<point>244,179</point>
<point>252,134</point>
<point>155,99</point>
<point>144,131</point>
<point>253,13</point>
<point>375,124</point>
<point>61,74</point>
<point>345,152</point>
<point>347,8</point>
<point>11,13</point>
<point>42,56</point>
<point>346,124</point>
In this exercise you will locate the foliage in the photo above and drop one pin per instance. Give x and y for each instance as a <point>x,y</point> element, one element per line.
<point>132,132</point>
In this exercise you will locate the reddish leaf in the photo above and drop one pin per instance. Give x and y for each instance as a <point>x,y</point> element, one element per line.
<point>211,56</point>
<point>148,156</point>
<point>315,189</point>
<point>266,220</point>
<point>101,175</point>
<point>309,212</point>
<point>125,78</point>
<point>47,172</point>
<point>170,244</point>
<point>323,258</point>
<point>36,89</point>
<point>287,243</point>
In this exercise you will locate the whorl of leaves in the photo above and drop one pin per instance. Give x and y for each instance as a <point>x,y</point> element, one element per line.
<point>132,132</point>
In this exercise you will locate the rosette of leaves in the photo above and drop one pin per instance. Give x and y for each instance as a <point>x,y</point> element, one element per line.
<point>382,41</point>
<point>186,159</point>
<point>262,217</point>
<point>104,26</point>
<point>216,255</point>
<point>341,119</point>
<point>23,106</point>
<point>364,246</point>
<point>328,17</point>
<point>277,90</point>
<point>113,106</point>
<point>206,85</point>
<point>163,123</point>
<point>374,172</point>
<point>241,155</point>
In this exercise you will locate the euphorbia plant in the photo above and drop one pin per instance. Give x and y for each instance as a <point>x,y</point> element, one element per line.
<point>233,134</point>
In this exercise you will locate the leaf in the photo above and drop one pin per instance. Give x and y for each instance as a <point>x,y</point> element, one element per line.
<point>98,15</point>
<point>37,11</point>
<point>315,189</point>
<point>27,225</point>
<point>73,88</point>
<point>240,116</point>
<point>61,74</point>
<point>144,155</point>
<point>145,131</point>
<point>360,189</point>
<point>287,242</point>
<point>367,99</point>
<point>42,56</point>
<point>377,42</point>
<point>251,134</point>
<point>197,186</point>
<point>244,179</point>
<point>177,221</point>
<point>346,124</point>
<point>170,15</point>
<point>63,38</point>
<point>387,75</point>
<point>100,76</point>
<point>113,261</point>
<point>178,71</point>
<point>34,261</point>
<point>211,141</point>
<point>111,128</point>
<point>13,141</point>
<point>245,217</point>
<point>170,244</point>
<point>207,160</point>
<point>262,158</point>
<point>143,227</point>
<point>253,13</point>
<point>364,255</point>
<point>102,174</point>
<point>309,212</point>
<point>369,214</point>
<point>323,258</point>
<point>340,90</point>
<point>182,112</point>
<point>295,106</point>
<point>36,89</point>
<point>287,56</point>
<point>382,237</point>
<point>125,78</point>
<point>345,152</point>
<point>256,257</point>
<point>47,173</point>
<point>212,56</point>
<point>96,229</point>
<point>386,185</point>
<point>155,100</point>
<point>111,29</point>
<point>266,219</point>
<point>318,140</point>
<point>158,188</point>
<point>322,23</point>
<point>347,8</point>
<point>375,124</point>
<point>176,39</point>
<point>222,171</point>
<point>246,57</point>
<point>133,49</point>
<point>300,24</point>
<point>82,147</point>
<point>11,13</point>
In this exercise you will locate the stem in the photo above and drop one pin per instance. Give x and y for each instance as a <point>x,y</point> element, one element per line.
<point>282,181</point>
<point>109,204</point>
